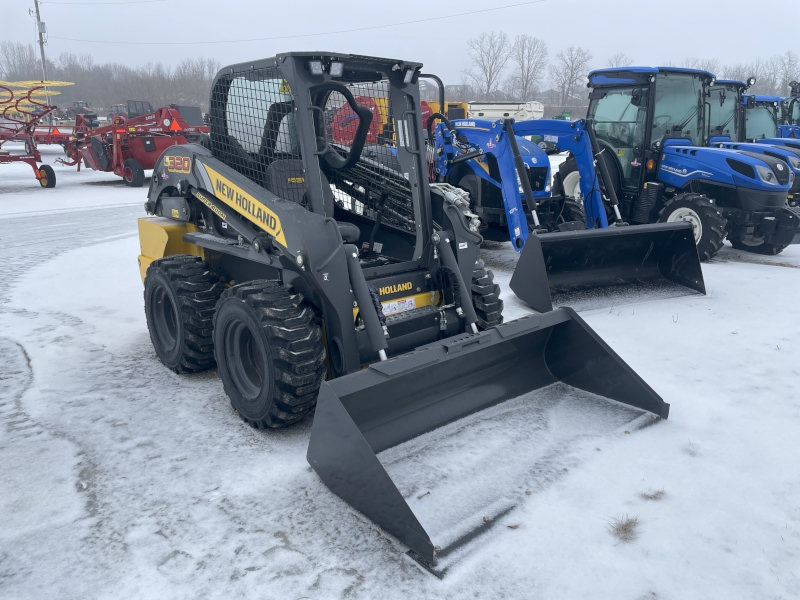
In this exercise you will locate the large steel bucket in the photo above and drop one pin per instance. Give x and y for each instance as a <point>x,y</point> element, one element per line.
<point>590,258</point>
<point>361,415</point>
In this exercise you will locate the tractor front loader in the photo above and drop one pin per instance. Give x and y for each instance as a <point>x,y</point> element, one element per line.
<point>313,276</point>
<point>570,246</point>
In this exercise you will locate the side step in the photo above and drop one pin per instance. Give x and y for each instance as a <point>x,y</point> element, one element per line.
<point>391,402</point>
<point>577,260</point>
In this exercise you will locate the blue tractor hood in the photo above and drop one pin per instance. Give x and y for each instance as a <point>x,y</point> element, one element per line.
<point>683,163</point>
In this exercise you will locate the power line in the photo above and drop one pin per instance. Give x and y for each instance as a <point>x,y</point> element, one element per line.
<point>102,3</point>
<point>303,35</point>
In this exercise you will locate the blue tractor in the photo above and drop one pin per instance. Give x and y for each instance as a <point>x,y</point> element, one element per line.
<point>652,123</point>
<point>751,123</point>
<point>566,242</point>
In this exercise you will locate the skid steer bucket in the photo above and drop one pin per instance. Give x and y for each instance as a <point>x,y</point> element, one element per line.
<point>577,260</point>
<point>363,418</point>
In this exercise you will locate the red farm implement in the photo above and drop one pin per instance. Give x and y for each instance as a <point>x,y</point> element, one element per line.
<point>21,117</point>
<point>130,146</point>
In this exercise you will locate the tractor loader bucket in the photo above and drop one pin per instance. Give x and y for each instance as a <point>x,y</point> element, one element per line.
<point>591,258</point>
<point>362,415</point>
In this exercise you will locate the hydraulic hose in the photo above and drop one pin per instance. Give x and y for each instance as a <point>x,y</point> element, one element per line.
<point>442,240</point>
<point>369,314</point>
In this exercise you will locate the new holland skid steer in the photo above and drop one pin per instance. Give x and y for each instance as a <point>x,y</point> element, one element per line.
<point>314,276</point>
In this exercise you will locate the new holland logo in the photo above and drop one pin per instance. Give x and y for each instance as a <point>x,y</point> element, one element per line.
<point>242,202</point>
<point>393,289</point>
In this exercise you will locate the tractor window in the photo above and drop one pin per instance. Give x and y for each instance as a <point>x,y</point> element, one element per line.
<point>794,112</point>
<point>621,126</point>
<point>724,104</point>
<point>359,188</point>
<point>761,122</point>
<point>259,137</point>
<point>677,110</point>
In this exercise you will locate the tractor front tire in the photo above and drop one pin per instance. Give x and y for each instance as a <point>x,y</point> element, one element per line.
<point>134,173</point>
<point>757,248</point>
<point>47,176</point>
<point>180,295</point>
<point>486,297</point>
<point>269,354</point>
<point>708,224</point>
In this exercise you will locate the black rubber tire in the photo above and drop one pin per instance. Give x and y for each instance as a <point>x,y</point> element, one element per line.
<point>269,354</point>
<point>762,248</point>
<point>136,178</point>
<point>573,211</point>
<point>711,219</point>
<point>486,297</point>
<point>180,296</point>
<point>47,176</point>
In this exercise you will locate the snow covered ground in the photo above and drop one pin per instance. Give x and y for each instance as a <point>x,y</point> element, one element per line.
<point>120,479</point>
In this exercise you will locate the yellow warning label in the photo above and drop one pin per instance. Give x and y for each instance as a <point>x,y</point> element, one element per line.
<point>176,214</point>
<point>242,202</point>
<point>296,180</point>
<point>208,203</point>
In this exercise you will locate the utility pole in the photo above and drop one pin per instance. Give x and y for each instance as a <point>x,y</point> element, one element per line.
<point>40,28</point>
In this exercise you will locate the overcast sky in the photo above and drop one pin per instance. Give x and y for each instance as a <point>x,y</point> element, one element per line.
<point>649,31</point>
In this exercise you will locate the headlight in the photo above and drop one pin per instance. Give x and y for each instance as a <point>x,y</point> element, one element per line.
<point>766,175</point>
<point>794,162</point>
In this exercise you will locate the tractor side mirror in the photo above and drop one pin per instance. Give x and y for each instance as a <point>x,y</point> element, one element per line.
<point>636,97</point>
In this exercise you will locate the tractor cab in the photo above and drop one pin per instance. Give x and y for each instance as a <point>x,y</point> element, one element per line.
<point>639,110</point>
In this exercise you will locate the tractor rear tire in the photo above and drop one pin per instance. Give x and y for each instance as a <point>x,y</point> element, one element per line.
<point>762,248</point>
<point>180,295</point>
<point>707,221</point>
<point>134,173</point>
<point>47,176</point>
<point>269,354</point>
<point>486,297</point>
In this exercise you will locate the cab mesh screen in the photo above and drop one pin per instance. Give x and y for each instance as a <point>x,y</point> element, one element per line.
<point>253,130</point>
<point>359,189</point>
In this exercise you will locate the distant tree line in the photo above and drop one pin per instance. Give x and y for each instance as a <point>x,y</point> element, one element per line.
<point>102,85</point>
<point>500,69</point>
<point>520,69</point>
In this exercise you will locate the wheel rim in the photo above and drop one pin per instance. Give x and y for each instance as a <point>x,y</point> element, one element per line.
<point>165,318</point>
<point>244,359</point>
<point>128,174</point>
<point>43,180</point>
<point>689,216</point>
<point>572,185</point>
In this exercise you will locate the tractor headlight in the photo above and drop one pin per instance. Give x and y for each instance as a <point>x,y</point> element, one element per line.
<point>766,175</point>
<point>794,162</point>
<point>315,66</point>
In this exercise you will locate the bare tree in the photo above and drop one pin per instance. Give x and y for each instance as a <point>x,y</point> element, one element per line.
<point>530,57</point>
<point>712,65</point>
<point>18,62</point>
<point>620,59</point>
<point>569,70</point>
<point>489,53</point>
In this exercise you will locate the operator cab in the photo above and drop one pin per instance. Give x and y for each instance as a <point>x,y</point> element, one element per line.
<point>639,110</point>
<point>332,164</point>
